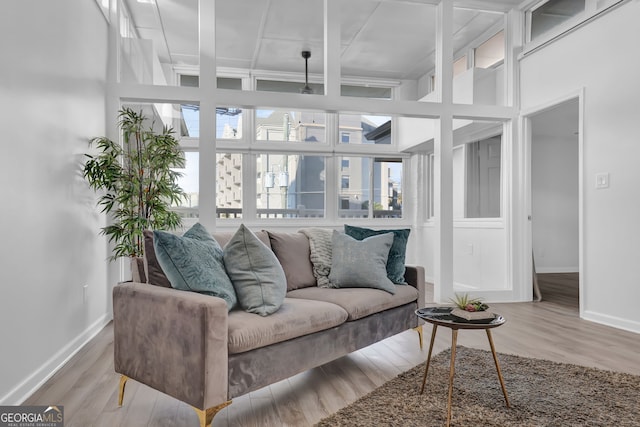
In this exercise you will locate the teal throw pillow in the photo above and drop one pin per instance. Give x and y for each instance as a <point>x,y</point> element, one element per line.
<point>255,272</point>
<point>397,254</point>
<point>193,262</point>
<point>361,263</point>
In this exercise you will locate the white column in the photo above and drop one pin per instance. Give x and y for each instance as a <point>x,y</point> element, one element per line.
<point>443,150</point>
<point>207,176</point>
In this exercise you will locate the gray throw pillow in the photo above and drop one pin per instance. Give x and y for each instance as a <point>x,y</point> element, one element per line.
<point>292,250</point>
<point>361,263</point>
<point>397,253</point>
<point>255,272</point>
<point>194,262</point>
<point>152,269</point>
<point>320,253</point>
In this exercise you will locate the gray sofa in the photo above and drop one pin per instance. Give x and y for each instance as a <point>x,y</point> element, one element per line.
<point>189,345</point>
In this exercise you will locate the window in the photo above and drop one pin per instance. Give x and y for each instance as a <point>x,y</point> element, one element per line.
<point>491,52</point>
<point>229,185</point>
<point>365,129</point>
<point>366,91</point>
<point>550,14</point>
<point>290,186</point>
<point>190,183</point>
<point>483,176</point>
<point>287,87</point>
<point>344,164</point>
<point>287,125</point>
<point>460,65</point>
<point>344,137</point>
<point>373,189</point>
<point>344,182</point>
<point>228,122</point>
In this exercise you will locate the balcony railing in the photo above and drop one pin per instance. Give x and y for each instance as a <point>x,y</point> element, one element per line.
<point>226,213</point>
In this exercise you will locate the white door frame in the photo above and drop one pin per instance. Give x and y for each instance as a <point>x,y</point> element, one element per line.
<point>522,225</point>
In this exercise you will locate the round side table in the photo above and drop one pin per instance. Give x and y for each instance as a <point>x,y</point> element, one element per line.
<point>441,316</point>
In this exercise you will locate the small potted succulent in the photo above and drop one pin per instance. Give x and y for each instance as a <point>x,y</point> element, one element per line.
<point>470,308</point>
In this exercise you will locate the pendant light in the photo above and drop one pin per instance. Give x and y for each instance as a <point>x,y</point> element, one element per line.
<point>306,89</point>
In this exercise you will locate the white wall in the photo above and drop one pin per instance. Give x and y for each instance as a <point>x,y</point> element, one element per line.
<point>602,58</point>
<point>554,194</point>
<point>52,87</point>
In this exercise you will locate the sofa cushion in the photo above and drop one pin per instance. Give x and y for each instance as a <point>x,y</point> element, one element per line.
<point>361,263</point>
<point>292,250</point>
<point>223,237</point>
<point>320,253</point>
<point>397,253</point>
<point>359,302</point>
<point>296,317</point>
<point>193,262</point>
<point>255,272</point>
<point>152,269</point>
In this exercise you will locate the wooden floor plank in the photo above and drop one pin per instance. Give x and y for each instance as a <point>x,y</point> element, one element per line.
<point>550,329</point>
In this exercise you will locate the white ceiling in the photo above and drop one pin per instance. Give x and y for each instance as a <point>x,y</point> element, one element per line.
<point>380,38</point>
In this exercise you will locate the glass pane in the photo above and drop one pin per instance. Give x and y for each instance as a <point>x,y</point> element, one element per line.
<point>460,65</point>
<point>353,198</point>
<point>190,123</point>
<point>479,84</point>
<point>290,186</point>
<point>162,115</point>
<point>288,87</point>
<point>189,80</point>
<point>387,40</point>
<point>483,178</point>
<point>553,13</point>
<point>387,188</point>
<point>229,185</point>
<point>477,170</point>
<point>190,183</point>
<point>156,40</point>
<point>268,37</point>
<point>228,123</point>
<point>364,129</point>
<point>366,91</point>
<point>287,125</point>
<point>490,52</point>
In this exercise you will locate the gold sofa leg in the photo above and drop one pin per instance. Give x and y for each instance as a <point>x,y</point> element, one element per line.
<point>207,415</point>
<point>123,382</point>
<point>418,329</point>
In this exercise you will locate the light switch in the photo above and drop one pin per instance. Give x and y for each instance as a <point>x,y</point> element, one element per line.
<point>602,180</point>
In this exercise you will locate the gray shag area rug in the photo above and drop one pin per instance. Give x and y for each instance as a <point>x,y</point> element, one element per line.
<point>541,393</point>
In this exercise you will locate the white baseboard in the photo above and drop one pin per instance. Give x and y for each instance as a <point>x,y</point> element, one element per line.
<point>613,321</point>
<point>34,381</point>
<point>543,270</point>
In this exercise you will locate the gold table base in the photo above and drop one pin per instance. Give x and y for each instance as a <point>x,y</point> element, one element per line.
<point>452,367</point>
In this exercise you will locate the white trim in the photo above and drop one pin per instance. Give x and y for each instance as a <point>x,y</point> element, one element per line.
<point>37,379</point>
<point>613,321</point>
<point>478,223</point>
<point>522,225</point>
<point>547,270</point>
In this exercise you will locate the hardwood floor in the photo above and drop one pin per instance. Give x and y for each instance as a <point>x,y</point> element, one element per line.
<point>550,329</point>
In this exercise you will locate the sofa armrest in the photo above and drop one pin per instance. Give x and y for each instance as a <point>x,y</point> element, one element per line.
<point>414,275</point>
<point>173,341</point>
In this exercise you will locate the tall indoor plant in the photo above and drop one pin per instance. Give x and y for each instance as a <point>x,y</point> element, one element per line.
<point>137,181</point>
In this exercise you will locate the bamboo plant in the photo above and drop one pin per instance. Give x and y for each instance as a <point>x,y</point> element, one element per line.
<point>137,181</point>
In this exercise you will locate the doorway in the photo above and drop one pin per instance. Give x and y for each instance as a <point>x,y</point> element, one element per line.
<point>555,196</point>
